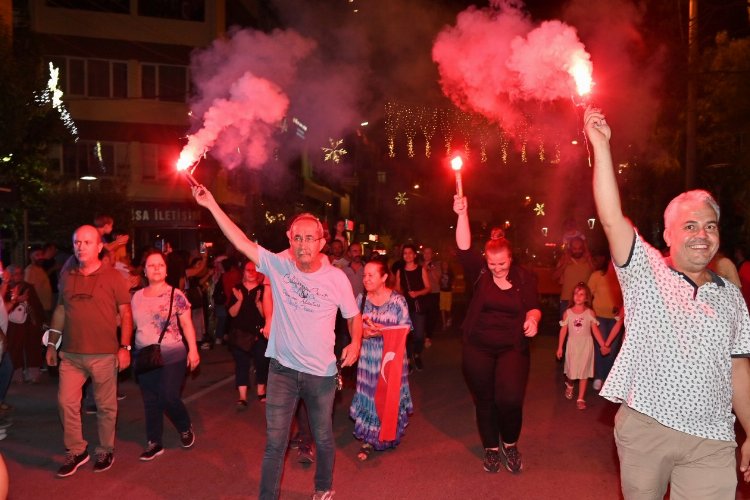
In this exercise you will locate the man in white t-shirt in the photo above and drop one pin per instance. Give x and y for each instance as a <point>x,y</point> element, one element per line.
<point>307,291</point>
<point>684,363</point>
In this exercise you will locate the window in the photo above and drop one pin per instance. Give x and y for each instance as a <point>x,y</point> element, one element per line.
<point>164,82</point>
<point>158,161</point>
<point>149,161</point>
<point>119,80</point>
<point>119,6</point>
<point>97,78</point>
<point>148,81</point>
<point>76,76</point>
<point>93,158</point>
<point>172,83</point>
<point>92,77</point>
<point>188,10</point>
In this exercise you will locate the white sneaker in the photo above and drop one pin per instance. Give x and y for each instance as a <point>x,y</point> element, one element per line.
<point>597,384</point>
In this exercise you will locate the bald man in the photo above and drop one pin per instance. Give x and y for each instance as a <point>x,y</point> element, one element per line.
<point>85,320</point>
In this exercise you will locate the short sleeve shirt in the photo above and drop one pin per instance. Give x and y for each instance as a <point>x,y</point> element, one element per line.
<point>149,316</point>
<point>91,307</point>
<point>304,306</point>
<point>675,363</point>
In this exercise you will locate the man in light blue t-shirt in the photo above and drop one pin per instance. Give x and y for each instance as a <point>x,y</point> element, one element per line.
<point>307,292</point>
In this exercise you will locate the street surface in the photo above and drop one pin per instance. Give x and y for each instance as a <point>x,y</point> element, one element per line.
<point>567,453</point>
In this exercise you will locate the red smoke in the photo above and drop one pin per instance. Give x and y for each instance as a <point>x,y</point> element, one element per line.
<point>494,59</point>
<point>241,96</point>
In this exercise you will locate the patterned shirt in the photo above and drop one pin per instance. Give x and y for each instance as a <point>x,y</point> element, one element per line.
<point>675,364</point>
<point>149,316</point>
<point>304,312</point>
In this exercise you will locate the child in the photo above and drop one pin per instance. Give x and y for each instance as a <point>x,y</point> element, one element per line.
<point>579,320</point>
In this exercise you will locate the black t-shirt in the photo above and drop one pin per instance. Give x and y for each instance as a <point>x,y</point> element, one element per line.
<point>501,316</point>
<point>249,317</point>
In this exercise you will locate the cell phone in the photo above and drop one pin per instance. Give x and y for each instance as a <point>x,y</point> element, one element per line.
<point>203,247</point>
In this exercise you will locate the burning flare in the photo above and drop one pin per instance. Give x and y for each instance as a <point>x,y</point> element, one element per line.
<point>457,163</point>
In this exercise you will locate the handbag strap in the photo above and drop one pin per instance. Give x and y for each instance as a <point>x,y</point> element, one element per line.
<point>169,316</point>
<point>362,302</point>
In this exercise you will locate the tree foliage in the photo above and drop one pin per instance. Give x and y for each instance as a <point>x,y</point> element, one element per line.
<point>26,130</point>
<point>724,132</point>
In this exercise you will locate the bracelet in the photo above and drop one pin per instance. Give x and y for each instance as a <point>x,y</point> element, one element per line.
<point>53,330</point>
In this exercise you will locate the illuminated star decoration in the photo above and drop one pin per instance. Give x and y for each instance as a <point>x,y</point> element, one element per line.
<point>335,152</point>
<point>539,209</point>
<point>52,94</point>
<point>401,199</point>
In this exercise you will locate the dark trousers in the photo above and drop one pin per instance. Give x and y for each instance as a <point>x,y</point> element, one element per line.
<point>6,374</point>
<point>497,380</point>
<point>432,313</point>
<point>161,390</point>
<point>415,340</point>
<point>260,360</point>
<point>242,360</point>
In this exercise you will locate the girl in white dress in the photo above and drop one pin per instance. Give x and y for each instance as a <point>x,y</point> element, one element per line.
<point>579,323</point>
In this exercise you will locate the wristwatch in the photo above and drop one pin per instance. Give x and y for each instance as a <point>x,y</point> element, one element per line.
<point>126,347</point>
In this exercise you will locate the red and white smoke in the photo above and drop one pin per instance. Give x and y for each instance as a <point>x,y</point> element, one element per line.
<point>495,58</point>
<point>240,126</point>
<point>241,96</point>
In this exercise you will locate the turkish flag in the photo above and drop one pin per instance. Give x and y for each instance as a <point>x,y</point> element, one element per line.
<point>388,391</point>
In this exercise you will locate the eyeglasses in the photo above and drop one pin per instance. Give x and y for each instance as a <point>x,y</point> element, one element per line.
<point>307,239</point>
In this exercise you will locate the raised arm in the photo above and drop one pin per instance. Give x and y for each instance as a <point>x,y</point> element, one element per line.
<point>463,231</point>
<point>233,233</point>
<point>616,226</point>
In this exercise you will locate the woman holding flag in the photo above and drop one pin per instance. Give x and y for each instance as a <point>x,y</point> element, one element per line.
<point>382,404</point>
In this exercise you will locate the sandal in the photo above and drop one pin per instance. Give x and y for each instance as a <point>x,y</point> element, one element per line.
<point>581,404</point>
<point>568,391</point>
<point>241,405</point>
<point>262,398</point>
<point>364,452</point>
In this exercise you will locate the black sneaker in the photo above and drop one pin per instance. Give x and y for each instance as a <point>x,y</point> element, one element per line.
<point>153,450</point>
<point>72,462</point>
<point>187,438</point>
<point>512,459</point>
<point>491,460</point>
<point>103,461</point>
<point>121,396</point>
<point>305,454</point>
<point>418,363</point>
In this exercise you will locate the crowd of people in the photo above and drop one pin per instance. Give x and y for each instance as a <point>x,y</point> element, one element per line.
<point>298,319</point>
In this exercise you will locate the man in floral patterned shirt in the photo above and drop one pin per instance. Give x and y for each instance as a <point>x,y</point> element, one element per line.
<point>684,363</point>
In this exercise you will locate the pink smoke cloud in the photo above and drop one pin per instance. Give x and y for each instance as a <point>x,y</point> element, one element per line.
<point>494,61</point>
<point>240,95</point>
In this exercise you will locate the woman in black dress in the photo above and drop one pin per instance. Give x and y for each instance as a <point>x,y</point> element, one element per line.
<point>413,282</point>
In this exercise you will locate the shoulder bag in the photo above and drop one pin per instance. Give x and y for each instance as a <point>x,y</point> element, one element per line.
<point>149,358</point>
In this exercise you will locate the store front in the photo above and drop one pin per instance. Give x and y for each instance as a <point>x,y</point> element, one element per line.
<point>184,225</point>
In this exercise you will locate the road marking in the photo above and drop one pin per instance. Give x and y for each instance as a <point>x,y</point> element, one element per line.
<point>208,389</point>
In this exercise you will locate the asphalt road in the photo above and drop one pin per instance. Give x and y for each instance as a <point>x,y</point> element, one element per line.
<point>568,453</point>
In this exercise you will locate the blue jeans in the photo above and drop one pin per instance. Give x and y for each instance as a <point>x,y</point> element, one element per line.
<point>161,390</point>
<point>285,388</point>
<point>603,364</point>
<point>415,340</point>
